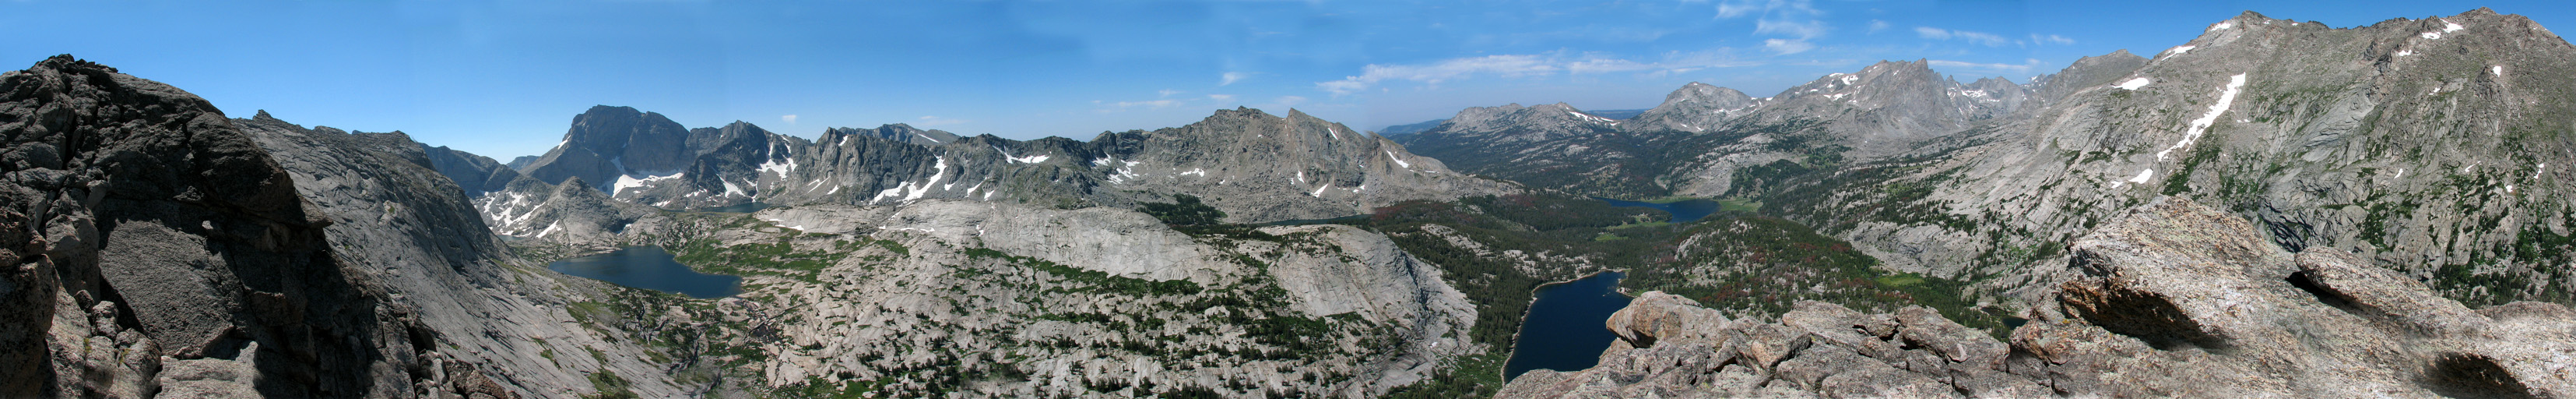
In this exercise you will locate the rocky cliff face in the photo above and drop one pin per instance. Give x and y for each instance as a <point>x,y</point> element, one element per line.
<point>158,250</point>
<point>2412,143</point>
<point>2173,299</point>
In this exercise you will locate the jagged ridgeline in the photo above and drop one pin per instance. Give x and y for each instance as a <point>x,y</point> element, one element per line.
<point>1243,161</point>
<point>2438,147</point>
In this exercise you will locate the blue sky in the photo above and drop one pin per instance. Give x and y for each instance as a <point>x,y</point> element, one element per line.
<point>505,78</point>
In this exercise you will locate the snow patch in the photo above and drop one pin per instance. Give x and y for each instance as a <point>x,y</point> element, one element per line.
<point>2223,25</point>
<point>2448,26</point>
<point>2199,126</point>
<point>940,164</point>
<point>1590,117</point>
<point>625,182</point>
<point>2178,50</point>
<point>2498,70</point>
<point>2432,35</point>
<point>1196,171</point>
<point>773,166</point>
<point>2402,53</point>
<point>1319,191</point>
<point>2142,178</point>
<point>1390,155</point>
<point>2134,84</point>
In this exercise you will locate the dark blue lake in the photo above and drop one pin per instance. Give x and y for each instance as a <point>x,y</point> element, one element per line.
<point>649,268</point>
<point>1565,330</point>
<point>1683,211</point>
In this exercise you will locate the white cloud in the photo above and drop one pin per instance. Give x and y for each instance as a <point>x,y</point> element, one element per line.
<point>2039,38</point>
<point>1803,29</point>
<point>789,118</point>
<point>1523,65</point>
<point>928,121</point>
<point>1231,77</point>
<point>2024,68</point>
<point>1787,46</point>
<point>1987,39</point>
<point>1496,65</point>
<point>1221,97</point>
<point>1168,92</point>
<point>1877,25</point>
<point>1798,18</point>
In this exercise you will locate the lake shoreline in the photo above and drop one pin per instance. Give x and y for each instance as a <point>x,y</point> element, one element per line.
<point>1505,370</point>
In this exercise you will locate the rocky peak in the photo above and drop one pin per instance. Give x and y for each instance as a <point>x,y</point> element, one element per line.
<point>608,142</point>
<point>2085,73</point>
<point>1702,93</point>
<point>1695,107</point>
<point>900,133</point>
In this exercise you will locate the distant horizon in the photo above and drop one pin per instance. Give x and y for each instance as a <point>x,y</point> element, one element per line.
<point>503,79</point>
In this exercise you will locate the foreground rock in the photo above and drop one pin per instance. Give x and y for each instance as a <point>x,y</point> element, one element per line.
<point>2173,299</point>
<point>155,249</point>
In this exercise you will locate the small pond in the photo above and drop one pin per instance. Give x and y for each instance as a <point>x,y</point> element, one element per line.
<point>1684,211</point>
<point>649,268</point>
<point>1565,330</point>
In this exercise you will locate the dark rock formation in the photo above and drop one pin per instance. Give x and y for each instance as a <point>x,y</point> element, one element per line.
<point>158,249</point>
<point>2172,300</point>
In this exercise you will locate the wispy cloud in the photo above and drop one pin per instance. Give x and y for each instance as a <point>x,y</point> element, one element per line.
<point>1168,92</point>
<point>1797,22</point>
<point>1434,73</point>
<point>928,121</point>
<point>1221,97</point>
<point>1786,46</point>
<point>1987,39</point>
<point>2050,39</point>
<point>1231,77</point>
<point>1525,65</point>
<point>2025,67</point>
<point>1876,25</point>
<point>789,118</point>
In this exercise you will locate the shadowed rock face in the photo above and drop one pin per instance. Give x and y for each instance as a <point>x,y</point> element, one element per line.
<point>475,174</point>
<point>2172,299</point>
<point>157,249</point>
